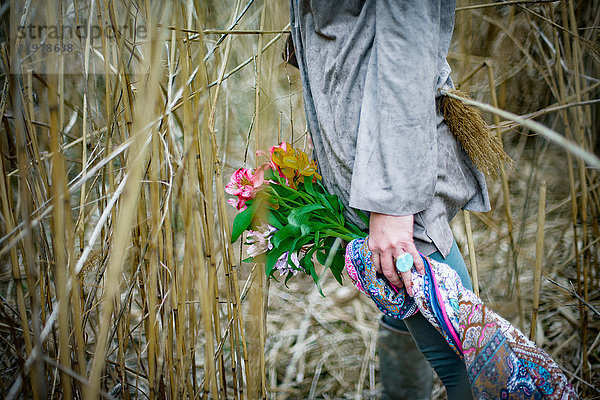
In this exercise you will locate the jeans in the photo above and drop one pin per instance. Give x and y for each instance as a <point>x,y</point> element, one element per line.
<point>432,344</point>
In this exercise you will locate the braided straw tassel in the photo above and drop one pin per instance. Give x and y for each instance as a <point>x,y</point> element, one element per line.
<point>466,123</point>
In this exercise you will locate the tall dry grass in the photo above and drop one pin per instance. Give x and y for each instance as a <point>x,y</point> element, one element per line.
<point>117,278</point>
<point>115,222</point>
<point>542,63</point>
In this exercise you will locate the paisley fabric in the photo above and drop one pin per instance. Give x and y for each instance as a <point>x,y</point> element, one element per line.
<point>502,363</point>
<point>391,301</point>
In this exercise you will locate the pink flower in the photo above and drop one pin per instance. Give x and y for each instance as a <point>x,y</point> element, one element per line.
<point>259,175</point>
<point>269,164</point>
<point>284,146</point>
<point>240,184</point>
<point>244,184</point>
<point>238,204</point>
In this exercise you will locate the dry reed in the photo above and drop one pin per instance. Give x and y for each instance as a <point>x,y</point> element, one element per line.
<point>469,127</point>
<point>117,278</point>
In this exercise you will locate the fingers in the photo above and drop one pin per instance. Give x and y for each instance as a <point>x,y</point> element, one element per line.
<point>384,262</point>
<point>417,260</point>
<point>407,279</point>
<point>390,236</point>
<point>375,260</point>
<point>389,269</point>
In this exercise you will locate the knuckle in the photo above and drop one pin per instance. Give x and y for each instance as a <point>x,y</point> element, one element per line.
<point>401,246</point>
<point>389,273</point>
<point>392,277</point>
<point>374,246</point>
<point>397,249</point>
<point>380,245</point>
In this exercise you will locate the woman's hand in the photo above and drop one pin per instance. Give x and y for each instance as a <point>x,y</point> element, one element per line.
<point>390,236</point>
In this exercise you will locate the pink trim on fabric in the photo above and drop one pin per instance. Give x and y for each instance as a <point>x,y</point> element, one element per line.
<point>352,273</point>
<point>482,335</point>
<point>468,352</point>
<point>472,314</point>
<point>446,319</point>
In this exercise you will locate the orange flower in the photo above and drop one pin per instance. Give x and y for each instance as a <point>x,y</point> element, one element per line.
<point>284,159</point>
<point>306,167</point>
<point>293,164</point>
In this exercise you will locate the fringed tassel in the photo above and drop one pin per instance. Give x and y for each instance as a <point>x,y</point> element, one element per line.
<point>483,147</point>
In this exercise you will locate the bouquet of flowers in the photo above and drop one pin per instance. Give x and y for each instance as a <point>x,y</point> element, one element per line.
<point>289,216</point>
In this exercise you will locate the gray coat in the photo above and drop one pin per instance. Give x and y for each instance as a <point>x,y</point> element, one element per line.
<point>370,71</point>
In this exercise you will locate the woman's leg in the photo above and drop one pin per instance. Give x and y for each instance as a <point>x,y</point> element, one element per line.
<point>432,344</point>
<point>403,370</point>
<point>442,358</point>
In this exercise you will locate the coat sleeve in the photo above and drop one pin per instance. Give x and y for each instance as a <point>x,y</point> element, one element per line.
<point>395,167</point>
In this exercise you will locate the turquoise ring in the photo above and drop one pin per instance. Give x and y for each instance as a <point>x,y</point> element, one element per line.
<point>404,262</point>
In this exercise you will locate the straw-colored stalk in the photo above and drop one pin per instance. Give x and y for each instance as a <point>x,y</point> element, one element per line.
<point>122,231</point>
<point>257,384</point>
<point>472,255</point>
<point>539,259</point>
<point>206,273</point>
<point>29,252</point>
<point>207,213</point>
<point>580,121</point>
<point>60,201</point>
<point>513,254</point>
<point>575,211</point>
<point>162,259</point>
<point>236,327</point>
<point>146,218</point>
<point>7,212</point>
<point>231,277</point>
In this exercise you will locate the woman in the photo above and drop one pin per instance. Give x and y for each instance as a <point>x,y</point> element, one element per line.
<point>370,71</point>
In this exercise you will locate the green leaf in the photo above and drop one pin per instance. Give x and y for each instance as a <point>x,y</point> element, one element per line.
<point>334,261</point>
<point>242,221</point>
<point>303,223</point>
<point>335,203</point>
<point>320,187</point>
<point>285,191</point>
<point>362,216</point>
<point>287,278</point>
<point>257,260</point>
<point>300,211</point>
<point>308,264</point>
<point>284,233</point>
<point>357,232</point>
<point>337,266</point>
<point>320,194</point>
<point>308,185</point>
<point>274,219</point>
<point>299,242</point>
<point>321,257</point>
